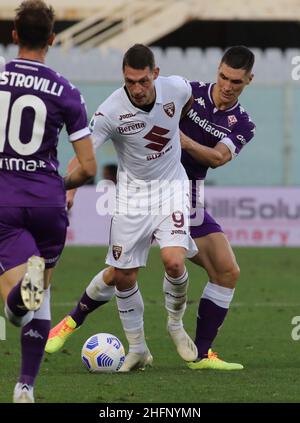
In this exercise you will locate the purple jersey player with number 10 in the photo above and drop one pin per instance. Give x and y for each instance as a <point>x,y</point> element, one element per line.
<point>36,103</point>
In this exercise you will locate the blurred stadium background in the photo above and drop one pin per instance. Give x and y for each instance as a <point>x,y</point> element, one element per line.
<point>188,38</point>
<point>256,197</point>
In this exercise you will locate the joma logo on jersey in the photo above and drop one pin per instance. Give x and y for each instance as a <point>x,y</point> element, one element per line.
<point>156,135</point>
<point>127,116</point>
<point>169,109</point>
<point>130,128</point>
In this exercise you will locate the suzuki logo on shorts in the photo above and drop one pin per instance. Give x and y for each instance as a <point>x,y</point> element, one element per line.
<point>117,251</point>
<point>169,109</point>
<point>130,128</point>
<point>157,138</point>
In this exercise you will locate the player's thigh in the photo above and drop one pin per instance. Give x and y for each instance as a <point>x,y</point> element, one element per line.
<point>130,240</point>
<point>215,255</point>
<point>16,246</point>
<point>10,278</point>
<point>49,228</point>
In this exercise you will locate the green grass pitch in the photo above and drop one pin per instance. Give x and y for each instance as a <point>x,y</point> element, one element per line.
<point>256,333</point>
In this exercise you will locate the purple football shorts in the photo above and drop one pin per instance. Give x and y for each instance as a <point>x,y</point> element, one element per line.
<point>208,226</point>
<point>27,231</point>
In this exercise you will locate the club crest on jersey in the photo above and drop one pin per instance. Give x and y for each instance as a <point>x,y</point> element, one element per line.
<point>169,108</point>
<point>117,251</point>
<point>232,120</point>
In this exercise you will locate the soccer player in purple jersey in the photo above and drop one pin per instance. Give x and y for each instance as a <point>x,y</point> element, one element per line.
<point>213,132</point>
<point>36,103</point>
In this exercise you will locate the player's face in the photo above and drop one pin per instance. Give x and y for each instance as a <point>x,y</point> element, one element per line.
<point>140,84</point>
<point>231,83</point>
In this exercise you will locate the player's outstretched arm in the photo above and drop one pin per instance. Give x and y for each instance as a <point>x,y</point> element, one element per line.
<point>212,157</point>
<point>86,164</point>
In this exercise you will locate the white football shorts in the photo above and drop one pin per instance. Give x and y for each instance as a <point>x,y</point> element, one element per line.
<point>132,235</point>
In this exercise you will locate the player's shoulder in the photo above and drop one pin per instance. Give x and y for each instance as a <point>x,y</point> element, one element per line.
<point>242,115</point>
<point>174,86</point>
<point>174,81</point>
<point>70,92</point>
<point>198,86</point>
<point>111,108</point>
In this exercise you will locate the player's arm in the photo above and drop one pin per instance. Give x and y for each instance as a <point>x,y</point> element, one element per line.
<point>73,163</point>
<point>187,106</point>
<point>83,166</point>
<point>212,157</point>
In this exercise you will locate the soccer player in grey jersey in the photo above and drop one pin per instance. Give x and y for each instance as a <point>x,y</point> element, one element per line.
<point>36,103</point>
<point>214,131</point>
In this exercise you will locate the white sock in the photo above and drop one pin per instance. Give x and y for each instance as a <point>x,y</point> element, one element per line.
<point>175,290</point>
<point>18,321</point>
<point>131,312</point>
<point>44,312</point>
<point>219,295</point>
<point>98,290</point>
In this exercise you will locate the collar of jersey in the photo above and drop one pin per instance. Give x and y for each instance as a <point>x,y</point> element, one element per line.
<point>30,62</point>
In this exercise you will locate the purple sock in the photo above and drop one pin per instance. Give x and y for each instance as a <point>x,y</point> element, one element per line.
<point>15,302</point>
<point>84,307</point>
<point>210,318</point>
<point>33,340</point>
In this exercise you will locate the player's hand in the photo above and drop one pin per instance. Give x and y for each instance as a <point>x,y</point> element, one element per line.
<point>70,198</point>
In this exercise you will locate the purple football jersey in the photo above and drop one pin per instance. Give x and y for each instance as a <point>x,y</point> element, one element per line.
<point>35,103</point>
<point>207,125</point>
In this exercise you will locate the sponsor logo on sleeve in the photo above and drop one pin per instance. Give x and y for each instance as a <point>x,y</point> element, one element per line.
<point>242,140</point>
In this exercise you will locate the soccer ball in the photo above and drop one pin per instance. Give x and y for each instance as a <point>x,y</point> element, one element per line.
<point>103,352</point>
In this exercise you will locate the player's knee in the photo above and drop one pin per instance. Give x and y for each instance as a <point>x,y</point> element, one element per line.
<point>236,273</point>
<point>229,277</point>
<point>174,266</point>
<point>125,278</point>
<point>109,276</point>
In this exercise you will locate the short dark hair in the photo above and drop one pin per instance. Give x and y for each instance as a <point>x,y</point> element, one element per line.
<point>139,56</point>
<point>34,23</point>
<point>239,57</point>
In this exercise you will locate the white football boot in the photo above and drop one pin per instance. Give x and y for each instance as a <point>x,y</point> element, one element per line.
<point>136,361</point>
<point>23,393</point>
<point>184,344</point>
<point>32,285</point>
